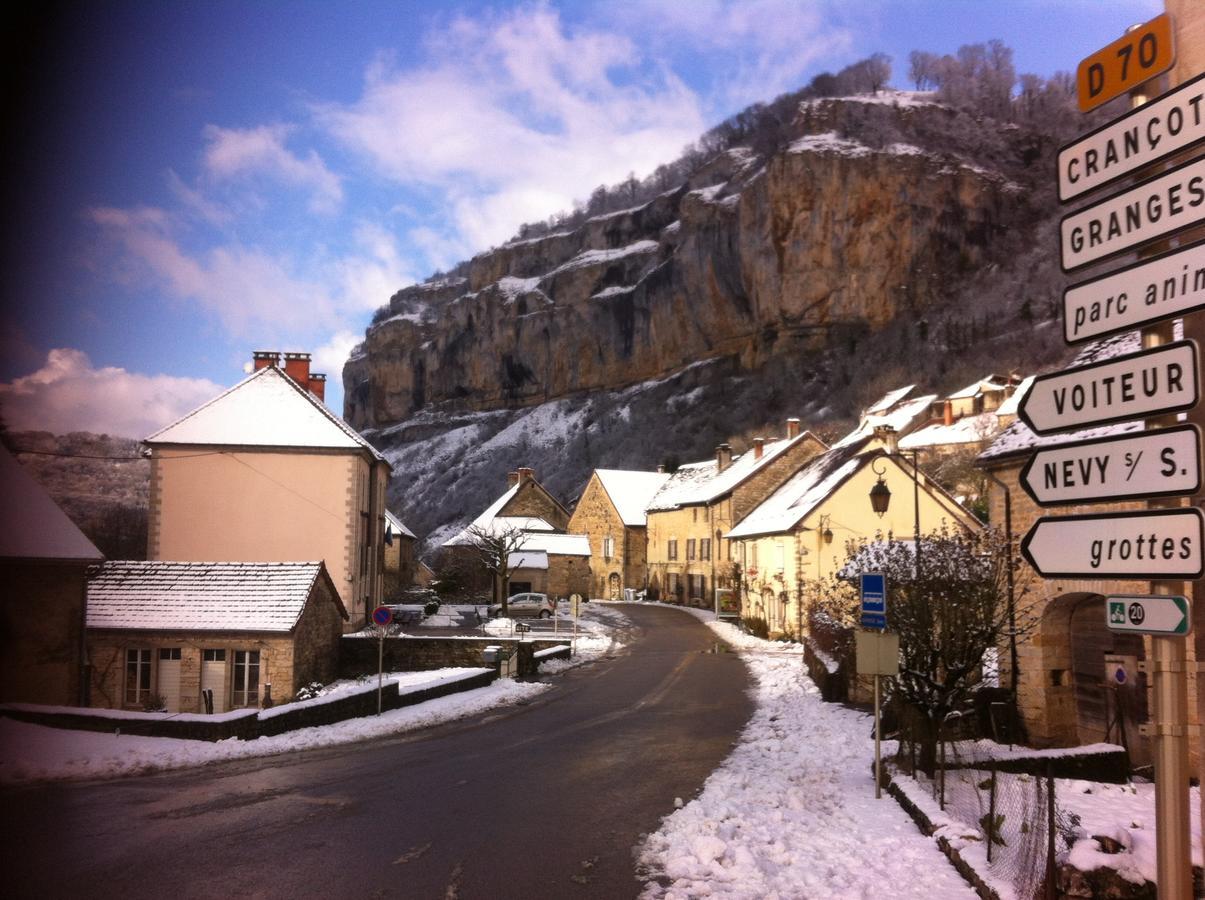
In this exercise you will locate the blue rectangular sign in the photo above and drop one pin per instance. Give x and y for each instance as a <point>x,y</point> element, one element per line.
<point>874,600</point>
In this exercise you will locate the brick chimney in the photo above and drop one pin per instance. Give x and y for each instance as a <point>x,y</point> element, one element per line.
<point>526,475</point>
<point>792,428</point>
<point>887,436</point>
<point>264,358</point>
<point>318,385</point>
<point>723,456</point>
<point>297,367</point>
<point>759,447</point>
<point>948,413</point>
<point>512,478</point>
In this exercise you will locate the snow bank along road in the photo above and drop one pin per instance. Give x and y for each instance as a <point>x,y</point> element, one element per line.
<point>542,800</point>
<point>791,813</point>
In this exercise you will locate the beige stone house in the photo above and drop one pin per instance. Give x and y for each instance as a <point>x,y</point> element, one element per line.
<point>210,637</point>
<point>804,531</point>
<point>611,512</point>
<point>549,559</point>
<point>399,558</point>
<point>689,557</point>
<point>44,559</point>
<point>268,451</point>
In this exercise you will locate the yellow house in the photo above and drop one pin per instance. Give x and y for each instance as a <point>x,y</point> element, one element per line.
<point>611,512</point>
<point>689,558</point>
<point>801,532</point>
<point>267,451</point>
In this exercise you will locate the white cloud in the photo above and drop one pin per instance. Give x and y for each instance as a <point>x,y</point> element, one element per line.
<point>239,152</point>
<point>331,356</point>
<point>515,118</point>
<point>69,394</point>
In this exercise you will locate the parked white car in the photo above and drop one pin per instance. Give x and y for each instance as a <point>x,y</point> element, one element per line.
<point>528,604</point>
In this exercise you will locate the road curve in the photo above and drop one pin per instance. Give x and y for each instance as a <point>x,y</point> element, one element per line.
<point>541,801</point>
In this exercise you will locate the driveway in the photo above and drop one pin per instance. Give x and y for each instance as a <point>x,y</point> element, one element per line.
<point>545,800</point>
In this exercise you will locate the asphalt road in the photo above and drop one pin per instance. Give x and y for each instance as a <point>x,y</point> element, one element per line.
<point>546,800</point>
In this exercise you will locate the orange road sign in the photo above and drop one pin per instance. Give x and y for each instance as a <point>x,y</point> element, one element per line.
<point>1130,60</point>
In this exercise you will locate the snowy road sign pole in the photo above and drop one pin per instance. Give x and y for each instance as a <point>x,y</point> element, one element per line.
<point>381,617</point>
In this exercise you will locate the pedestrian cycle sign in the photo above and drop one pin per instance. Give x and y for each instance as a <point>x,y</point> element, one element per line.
<point>1149,614</point>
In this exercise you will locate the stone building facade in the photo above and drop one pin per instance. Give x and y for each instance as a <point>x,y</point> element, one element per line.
<point>611,512</point>
<point>689,557</point>
<point>245,634</point>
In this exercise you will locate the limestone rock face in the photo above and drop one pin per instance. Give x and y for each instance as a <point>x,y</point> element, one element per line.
<point>754,257</point>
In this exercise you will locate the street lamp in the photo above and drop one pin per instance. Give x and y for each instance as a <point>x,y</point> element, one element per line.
<point>880,499</point>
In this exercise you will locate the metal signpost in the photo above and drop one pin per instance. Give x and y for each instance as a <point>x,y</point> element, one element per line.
<point>1164,543</point>
<point>1149,614</point>
<point>1147,383</point>
<point>575,606</point>
<point>1164,463</point>
<point>877,653</point>
<point>381,617</point>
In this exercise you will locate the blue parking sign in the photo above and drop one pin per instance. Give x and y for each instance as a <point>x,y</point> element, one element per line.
<point>874,600</point>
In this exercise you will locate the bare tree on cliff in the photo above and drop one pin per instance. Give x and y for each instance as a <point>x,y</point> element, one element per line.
<point>949,610</point>
<point>497,548</point>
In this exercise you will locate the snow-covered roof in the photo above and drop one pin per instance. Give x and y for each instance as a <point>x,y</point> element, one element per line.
<point>265,409</point>
<point>901,420</point>
<point>967,430</point>
<point>31,524</point>
<point>1010,406</point>
<point>558,544</point>
<point>806,490</point>
<point>396,525</point>
<point>702,482</point>
<point>528,559</point>
<point>203,596</point>
<point>888,400</point>
<point>631,492</point>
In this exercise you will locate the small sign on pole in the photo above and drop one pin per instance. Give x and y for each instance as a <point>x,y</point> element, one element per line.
<point>1162,614</point>
<point>1135,57</point>
<point>381,617</point>
<point>874,599</point>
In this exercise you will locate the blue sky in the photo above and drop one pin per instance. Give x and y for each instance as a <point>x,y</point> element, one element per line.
<point>187,182</point>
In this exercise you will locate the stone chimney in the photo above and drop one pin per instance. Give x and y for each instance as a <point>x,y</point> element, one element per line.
<point>759,447</point>
<point>947,415</point>
<point>318,385</point>
<point>886,435</point>
<point>723,456</point>
<point>792,428</point>
<point>264,358</point>
<point>297,367</point>
<point>526,475</point>
<point>661,469</point>
<point>512,478</point>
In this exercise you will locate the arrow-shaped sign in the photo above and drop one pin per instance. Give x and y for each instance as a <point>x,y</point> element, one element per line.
<point>1162,463</point>
<point>1133,386</point>
<point>1143,545</point>
<point>1148,613</point>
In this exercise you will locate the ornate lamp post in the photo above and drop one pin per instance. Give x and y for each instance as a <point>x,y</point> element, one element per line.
<point>880,500</point>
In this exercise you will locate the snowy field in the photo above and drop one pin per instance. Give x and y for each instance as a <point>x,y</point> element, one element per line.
<point>791,813</point>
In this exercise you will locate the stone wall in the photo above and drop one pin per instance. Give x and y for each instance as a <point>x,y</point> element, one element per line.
<point>750,493</point>
<point>595,516</point>
<point>568,575</point>
<point>41,632</point>
<point>358,656</point>
<point>532,500</point>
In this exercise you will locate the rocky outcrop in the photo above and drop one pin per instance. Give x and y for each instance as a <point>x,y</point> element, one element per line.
<point>755,257</point>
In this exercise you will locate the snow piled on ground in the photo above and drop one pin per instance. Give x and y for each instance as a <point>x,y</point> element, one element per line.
<point>791,812</point>
<point>37,753</point>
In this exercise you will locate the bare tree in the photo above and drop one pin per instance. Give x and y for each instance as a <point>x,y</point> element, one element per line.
<point>497,548</point>
<point>922,69</point>
<point>949,608</point>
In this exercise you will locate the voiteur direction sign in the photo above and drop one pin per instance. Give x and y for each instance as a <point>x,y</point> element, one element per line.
<point>1152,209</point>
<point>1132,386</point>
<point>1162,287</point>
<point>1137,56</point>
<point>1153,131</point>
<point>1163,463</point>
<point>1144,545</point>
<point>1149,613</point>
